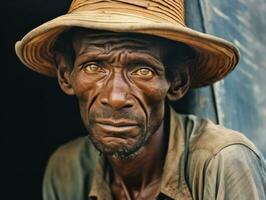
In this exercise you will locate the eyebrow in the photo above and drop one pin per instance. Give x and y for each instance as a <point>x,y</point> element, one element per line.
<point>148,59</point>
<point>132,58</point>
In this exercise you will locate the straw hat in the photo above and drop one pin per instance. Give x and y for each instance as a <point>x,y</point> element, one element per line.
<point>164,18</point>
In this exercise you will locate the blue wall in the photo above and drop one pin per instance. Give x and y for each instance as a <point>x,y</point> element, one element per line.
<point>238,101</point>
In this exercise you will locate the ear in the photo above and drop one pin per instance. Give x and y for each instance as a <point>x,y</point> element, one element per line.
<point>180,84</point>
<point>63,74</point>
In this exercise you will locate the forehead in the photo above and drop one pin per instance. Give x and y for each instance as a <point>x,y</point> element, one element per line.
<point>88,40</point>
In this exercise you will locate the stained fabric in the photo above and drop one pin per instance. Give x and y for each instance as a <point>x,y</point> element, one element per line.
<point>204,161</point>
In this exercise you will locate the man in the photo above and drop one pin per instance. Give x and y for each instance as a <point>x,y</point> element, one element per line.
<point>125,60</point>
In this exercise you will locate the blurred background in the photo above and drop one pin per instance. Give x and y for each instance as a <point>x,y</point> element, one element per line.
<point>36,117</point>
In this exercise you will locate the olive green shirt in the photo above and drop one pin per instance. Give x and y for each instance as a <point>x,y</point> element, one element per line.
<point>204,161</point>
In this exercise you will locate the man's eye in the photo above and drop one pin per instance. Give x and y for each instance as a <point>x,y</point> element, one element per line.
<point>144,72</point>
<point>92,68</point>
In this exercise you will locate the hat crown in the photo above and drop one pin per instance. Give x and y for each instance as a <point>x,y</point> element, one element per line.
<point>161,11</point>
<point>163,18</point>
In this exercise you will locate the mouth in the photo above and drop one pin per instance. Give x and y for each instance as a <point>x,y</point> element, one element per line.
<point>116,123</point>
<point>116,126</point>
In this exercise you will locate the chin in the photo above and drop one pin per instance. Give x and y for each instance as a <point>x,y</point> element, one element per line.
<point>119,148</point>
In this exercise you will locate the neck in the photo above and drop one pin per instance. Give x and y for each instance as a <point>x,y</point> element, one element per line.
<point>145,167</point>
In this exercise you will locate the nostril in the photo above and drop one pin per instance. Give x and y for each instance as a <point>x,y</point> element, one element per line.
<point>128,106</point>
<point>104,103</point>
<point>116,98</point>
<point>117,103</point>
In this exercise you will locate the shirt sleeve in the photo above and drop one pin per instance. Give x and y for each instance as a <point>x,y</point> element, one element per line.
<point>68,171</point>
<point>63,179</point>
<point>235,173</point>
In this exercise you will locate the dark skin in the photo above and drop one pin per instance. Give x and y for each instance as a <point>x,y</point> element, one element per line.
<point>121,85</point>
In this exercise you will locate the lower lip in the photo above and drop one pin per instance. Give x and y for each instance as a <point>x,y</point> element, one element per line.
<point>110,128</point>
<point>114,139</point>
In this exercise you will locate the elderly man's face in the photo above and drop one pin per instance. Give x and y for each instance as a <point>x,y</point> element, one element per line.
<point>121,86</point>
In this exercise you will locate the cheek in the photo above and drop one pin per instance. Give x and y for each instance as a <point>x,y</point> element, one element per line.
<point>80,83</point>
<point>85,89</point>
<point>84,85</point>
<point>154,91</point>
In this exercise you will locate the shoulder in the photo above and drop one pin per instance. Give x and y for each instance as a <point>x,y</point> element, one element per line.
<point>238,172</point>
<point>202,134</point>
<point>235,172</point>
<point>236,161</point>
<point>206,140</point>
<point>75,152</point>
<point>237,157</point>
<point>222,163</point>
<point>69,170</point>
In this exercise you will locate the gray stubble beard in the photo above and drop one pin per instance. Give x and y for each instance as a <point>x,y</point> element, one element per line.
<point>122,153</point>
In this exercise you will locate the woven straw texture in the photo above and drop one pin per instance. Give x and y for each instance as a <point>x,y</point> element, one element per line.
<point>164,18</point>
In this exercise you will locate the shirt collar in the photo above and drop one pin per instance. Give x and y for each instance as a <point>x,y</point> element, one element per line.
<point>173,182</point>
<point>100,181</point>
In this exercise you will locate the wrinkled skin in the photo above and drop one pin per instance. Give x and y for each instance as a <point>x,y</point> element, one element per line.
<point>121,85</point>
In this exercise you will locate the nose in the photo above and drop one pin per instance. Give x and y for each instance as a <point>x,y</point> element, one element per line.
<point>116,94</point>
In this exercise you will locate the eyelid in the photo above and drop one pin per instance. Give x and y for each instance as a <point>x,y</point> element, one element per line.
<point>149,75</point>
<point>87,64</point>
<point>84,64</point>
<point>138,67</point>
<point>145,67</point>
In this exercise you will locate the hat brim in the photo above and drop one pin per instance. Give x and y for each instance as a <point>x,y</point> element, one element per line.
<point>216,56</point>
